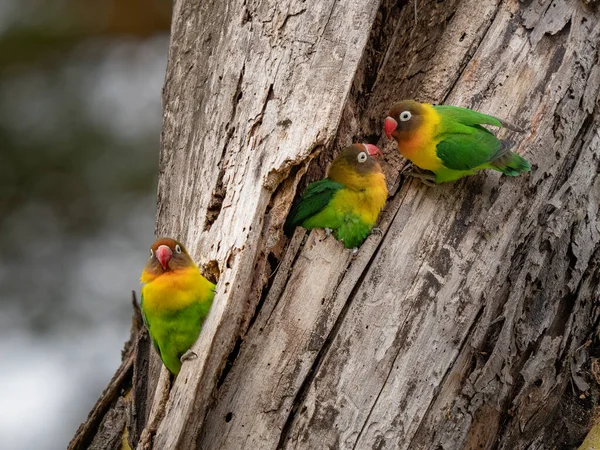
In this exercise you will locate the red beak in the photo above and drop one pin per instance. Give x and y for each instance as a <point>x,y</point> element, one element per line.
<point>389,126</point>
<point>163,254</point>
<point>373,150</point>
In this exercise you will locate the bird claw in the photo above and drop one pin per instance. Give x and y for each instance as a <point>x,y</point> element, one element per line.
<point>188,356</point>
<point>355,251</point>
<point>328,231</point>
<point>408,167</point>
<point>426,177</point>
<point>427,182</point>
<point>376,230</point>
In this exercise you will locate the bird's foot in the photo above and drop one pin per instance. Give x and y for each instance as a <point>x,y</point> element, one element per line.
<point>427,182</point>
<point>427,177</point>
<point>376,230</point>
<point>188,356</point>
<point>354,251</point>
<point>408,167</point>
<point>328,231</point>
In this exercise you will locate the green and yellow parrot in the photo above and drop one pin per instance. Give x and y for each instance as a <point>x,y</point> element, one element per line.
<point>348,201</point>
<point>450,141</point>
<point>175,300</point>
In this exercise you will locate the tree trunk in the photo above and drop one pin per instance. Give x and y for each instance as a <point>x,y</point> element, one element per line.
<point>470,321</point>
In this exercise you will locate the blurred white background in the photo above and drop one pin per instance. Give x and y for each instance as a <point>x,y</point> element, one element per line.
<point>80,116</point>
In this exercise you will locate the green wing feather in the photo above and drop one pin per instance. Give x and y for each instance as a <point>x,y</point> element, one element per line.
<point>466,145</point>
<point>314,199</point>
<point>470,118</point>
<point>466,151</point>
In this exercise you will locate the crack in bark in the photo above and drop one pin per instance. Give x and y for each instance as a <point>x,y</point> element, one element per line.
<point>229,362</point>
<point>556,328</point>
<point>394,344</point>
<point>288,16</point>
<point>271,258</point>
<point>572,158</point>
<point>220,191</point>
<point>380,39</point>
<point>303,390</point>
<point>259,118</point>
<point>283,288</point>
<point>266,289</point>
<point>588,273</point>
<point>467,339</point>
<point>324,31</point>
<point>470,53</point>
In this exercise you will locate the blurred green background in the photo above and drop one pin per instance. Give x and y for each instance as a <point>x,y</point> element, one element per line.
<point>80,115</point>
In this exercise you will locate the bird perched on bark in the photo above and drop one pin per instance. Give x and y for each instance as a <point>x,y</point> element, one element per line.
<point>348,201</point>
<point>175,300</point>
<point>451,141</point>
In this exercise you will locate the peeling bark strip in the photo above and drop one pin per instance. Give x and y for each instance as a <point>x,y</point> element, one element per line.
<point>471,320</point>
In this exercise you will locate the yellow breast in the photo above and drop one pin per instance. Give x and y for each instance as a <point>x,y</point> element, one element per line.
<point>366,203</point>
<point>173,291</point>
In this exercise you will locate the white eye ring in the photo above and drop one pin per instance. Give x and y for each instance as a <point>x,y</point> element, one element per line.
<point>178,248</point>
<point>362,157</point>
<point>405,115</point>
<point>151,253</point>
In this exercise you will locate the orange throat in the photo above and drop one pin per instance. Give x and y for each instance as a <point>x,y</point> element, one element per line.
<point>410,144</point>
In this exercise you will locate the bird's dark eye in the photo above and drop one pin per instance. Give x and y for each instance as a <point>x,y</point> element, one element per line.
<point>362,157</point>
<point>405,115</point>
<point>151,253</point>
<point>178,248</point>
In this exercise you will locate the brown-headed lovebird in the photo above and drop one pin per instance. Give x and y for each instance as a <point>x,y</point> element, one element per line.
<point>348,201</point>
<point>450,141</point>
<point>175,300</point>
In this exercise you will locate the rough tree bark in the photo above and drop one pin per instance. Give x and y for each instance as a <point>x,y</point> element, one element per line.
<point>470,322</point>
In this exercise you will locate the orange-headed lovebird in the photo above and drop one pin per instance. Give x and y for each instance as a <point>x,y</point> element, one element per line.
<point>450,141</point>
<point>348,201</point>
<point>175,300</point>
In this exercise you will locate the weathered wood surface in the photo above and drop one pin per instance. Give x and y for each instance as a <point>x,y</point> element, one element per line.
<point>468,322</point>
<point>458,328</point>
<point>253,91</point>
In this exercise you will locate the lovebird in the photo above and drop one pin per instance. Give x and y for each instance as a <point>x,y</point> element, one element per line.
<point>450,141</point>
<point>348,201</point>
<point>175,300</point>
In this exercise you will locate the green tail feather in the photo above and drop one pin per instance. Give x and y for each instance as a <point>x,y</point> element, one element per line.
<point>510,163</point>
